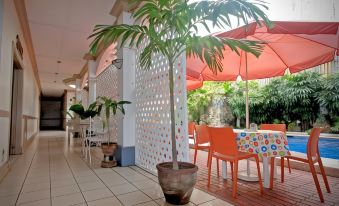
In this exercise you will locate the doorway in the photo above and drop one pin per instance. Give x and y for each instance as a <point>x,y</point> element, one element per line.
<point>16,141</point>
<point>51,113</point>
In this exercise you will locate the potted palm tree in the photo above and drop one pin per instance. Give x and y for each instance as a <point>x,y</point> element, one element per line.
<point>170,27</point>
<point>109,148</point>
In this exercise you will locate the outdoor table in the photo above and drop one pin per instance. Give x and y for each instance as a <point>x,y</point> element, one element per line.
<point>265,143</point>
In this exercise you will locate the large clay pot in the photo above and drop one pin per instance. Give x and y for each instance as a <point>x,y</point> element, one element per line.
<point>109,149</point>
<point>177,185</point>
<point>109,154</point>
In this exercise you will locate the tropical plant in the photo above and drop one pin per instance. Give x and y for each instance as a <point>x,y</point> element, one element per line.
<point>70,115</point>
<point>110,106</point>
<point>300,97</point>
<point>236,100</point>
<point>197,102</point>
<point>335,127</point>
<point>328,96</point>
<point>79,109</point>
<point>170,28</point>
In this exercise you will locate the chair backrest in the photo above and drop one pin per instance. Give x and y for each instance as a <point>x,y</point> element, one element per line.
<point>201,134</point>
<point>97,125</point>
<point>312,144</point>
<point>191,128</point>
<point>223,141</point>
<point>274,127</point>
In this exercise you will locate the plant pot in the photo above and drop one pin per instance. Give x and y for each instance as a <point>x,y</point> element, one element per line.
<point>109,149</point>
<point>177,185</point>
<point>109,154</point>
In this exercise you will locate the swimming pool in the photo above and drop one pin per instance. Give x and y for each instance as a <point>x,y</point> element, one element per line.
<point>329,148</point>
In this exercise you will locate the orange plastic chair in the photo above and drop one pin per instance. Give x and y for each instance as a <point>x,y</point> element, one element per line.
<point>313,156</point>
<point>274,127</point>
<point>191,131</point>
<point>224,146</point>
<point>202,142</point>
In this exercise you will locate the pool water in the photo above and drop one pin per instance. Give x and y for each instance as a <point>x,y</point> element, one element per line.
<point>329,148</point>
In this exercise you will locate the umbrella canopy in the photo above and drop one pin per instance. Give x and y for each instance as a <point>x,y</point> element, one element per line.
<point>289,45</point>
<point>192,83</point>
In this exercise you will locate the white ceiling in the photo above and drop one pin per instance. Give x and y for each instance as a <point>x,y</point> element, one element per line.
<point>59,30</point>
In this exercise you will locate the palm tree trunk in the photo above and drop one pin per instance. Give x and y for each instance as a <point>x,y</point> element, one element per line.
<point>174,142</point>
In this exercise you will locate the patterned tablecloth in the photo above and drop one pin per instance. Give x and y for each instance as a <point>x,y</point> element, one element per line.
<point>265,143</point>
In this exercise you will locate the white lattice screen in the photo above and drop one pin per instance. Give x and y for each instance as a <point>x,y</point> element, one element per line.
<point>107,85</point>
<point>153,129</point>
<point>84,98</point>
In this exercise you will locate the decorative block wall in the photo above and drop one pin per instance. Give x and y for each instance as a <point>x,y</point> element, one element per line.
<point>153,124</point>
<point>84,98</point>
<point>107,85</point>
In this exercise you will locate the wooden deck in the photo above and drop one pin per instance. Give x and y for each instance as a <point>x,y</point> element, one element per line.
<point>298,188</point>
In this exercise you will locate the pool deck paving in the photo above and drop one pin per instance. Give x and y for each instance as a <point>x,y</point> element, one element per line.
<point>298,188</point>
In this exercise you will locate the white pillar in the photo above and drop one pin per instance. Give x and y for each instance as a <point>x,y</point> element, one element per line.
<point>78,97</point>
<point>126,88</point>
<point>92,67</point>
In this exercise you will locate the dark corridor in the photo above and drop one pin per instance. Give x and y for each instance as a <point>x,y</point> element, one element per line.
<point>52,116</point>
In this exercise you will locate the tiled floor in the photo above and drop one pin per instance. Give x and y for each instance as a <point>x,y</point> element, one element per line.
<point>298,188</point>
<point>52,173</point>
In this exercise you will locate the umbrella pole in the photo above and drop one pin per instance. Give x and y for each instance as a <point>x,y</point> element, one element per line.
<point>247,111</point>
<point>246,90</point>
<point>246,175</point>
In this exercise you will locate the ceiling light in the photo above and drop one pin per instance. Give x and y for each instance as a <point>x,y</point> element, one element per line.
<point>72,85</point>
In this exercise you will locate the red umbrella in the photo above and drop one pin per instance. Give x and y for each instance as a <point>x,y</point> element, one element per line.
<point>192,83</point>
<point>289,45</point>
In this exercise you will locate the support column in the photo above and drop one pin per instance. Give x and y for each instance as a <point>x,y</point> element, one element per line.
<point>92,67</point>
<point>78,97</point>
<point>126,87</point>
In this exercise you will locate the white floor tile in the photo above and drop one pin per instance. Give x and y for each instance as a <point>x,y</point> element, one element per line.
<point>63,182</point>
<point>36,187</point>
<point>91,185</point>
<point>162,202</point>
<point>97,194</point>
<point>67,200</point>
<point>145,184</point>
<point>105,202</point>
<point>122,189</point>
<point>65,190</point>
<point>154,193</point>
<point>34,196</point>
<point>152,203</point>
<point>46,202</point>
<point>199,197</point>
<point>8,200</point>
<point>216,202</point>
<point>133,198</point>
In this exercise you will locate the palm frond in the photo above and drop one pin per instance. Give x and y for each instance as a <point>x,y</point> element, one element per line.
<point>209,49</point>
<point>219,12</point>
<point>107,34</point>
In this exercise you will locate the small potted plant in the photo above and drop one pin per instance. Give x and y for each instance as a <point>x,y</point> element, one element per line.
<point>79,109</point>
<point>109,148</point>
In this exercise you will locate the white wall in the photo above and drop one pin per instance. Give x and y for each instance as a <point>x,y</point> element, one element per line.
<point>293,10</point>
<point>11,27</point>
<point>303,10</point>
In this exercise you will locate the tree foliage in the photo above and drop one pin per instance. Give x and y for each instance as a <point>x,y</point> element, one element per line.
<point>288,99</point>
<point>329,95</point>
